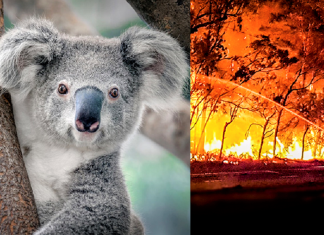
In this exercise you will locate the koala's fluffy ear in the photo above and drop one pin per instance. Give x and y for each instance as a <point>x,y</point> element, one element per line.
<point>24,53</point>
<point>159,63</point>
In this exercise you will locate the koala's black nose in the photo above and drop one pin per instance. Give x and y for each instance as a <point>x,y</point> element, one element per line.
<point>88,103</point>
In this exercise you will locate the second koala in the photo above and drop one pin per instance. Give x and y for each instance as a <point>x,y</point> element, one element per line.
<point>76,100</point>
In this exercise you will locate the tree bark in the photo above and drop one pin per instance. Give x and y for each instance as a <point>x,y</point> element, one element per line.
<point>233,114</point>
<point>201,143</point>
<point>223,140</point>
<point>18,214</point>
<point>276,133</point>
<point>169,129</point>
<point>262,137</point>
<point>303,142</point>
<point>318,138</point>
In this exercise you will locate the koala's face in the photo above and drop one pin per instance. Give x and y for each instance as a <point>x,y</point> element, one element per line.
<point>91,96</point>
<point>90,91</point>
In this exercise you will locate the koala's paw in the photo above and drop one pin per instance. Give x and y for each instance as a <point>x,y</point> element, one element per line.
<point>136,227</point>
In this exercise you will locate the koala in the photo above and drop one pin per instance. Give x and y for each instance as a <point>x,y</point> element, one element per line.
<point>76,100</point>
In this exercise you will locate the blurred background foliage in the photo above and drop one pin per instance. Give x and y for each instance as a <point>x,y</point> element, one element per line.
<point>158,182</point>
<point>109,17</point>
<point>159,186</point>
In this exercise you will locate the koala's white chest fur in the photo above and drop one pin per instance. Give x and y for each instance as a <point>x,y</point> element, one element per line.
<point>49,169</point>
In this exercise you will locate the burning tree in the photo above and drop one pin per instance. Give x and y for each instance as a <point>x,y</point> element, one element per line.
<point>262,108</point>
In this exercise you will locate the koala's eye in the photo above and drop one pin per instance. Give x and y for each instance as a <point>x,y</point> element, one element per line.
<point>113,93</point>
<point>62,89</point>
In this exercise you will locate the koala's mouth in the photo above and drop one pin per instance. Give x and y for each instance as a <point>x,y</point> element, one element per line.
<point>85,136</point>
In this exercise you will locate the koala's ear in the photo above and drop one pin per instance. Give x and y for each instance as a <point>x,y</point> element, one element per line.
<point>159,63</point>
<point>24,53</point>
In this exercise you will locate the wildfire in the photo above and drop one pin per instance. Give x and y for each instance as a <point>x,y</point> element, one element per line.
<point>242,149</point>
<point>214,144</point>
<point>256,84</point>
<point>295,151</point>
<point>245,147</point>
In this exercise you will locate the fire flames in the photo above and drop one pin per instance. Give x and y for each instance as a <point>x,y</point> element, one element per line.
<point>243,136</point>
<point>244,148</point>
<point>259,95</point>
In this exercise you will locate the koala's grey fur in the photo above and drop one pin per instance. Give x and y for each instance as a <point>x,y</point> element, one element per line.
<point>76,176</point>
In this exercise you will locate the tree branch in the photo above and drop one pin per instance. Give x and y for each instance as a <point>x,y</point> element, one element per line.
<point>172,16</point>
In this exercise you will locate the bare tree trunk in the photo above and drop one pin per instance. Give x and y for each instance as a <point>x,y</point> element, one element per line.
<point>18,214</point>
<point>204,121</point>
<point>318,137</point>
<point>262,137</point>
<point>233,113</point>
<point>169,129</point>
<point>276,133</point>
<point>303,142</point>
<point>223,139</point>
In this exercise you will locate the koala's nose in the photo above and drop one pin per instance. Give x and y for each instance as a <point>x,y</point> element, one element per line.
<point>87,125</point>
<point>88,103</point>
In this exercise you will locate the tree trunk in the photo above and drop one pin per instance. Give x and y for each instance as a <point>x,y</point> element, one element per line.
<point>223,140</point>
<point>18,214</point>
<point>233,115</point>
<point>262,137</point>
<point>303,142</point>
<point>276,133</point>
<point>173,133</point>
<point>204,122</point>
<point>201,142</point>
<point>318,137</point>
